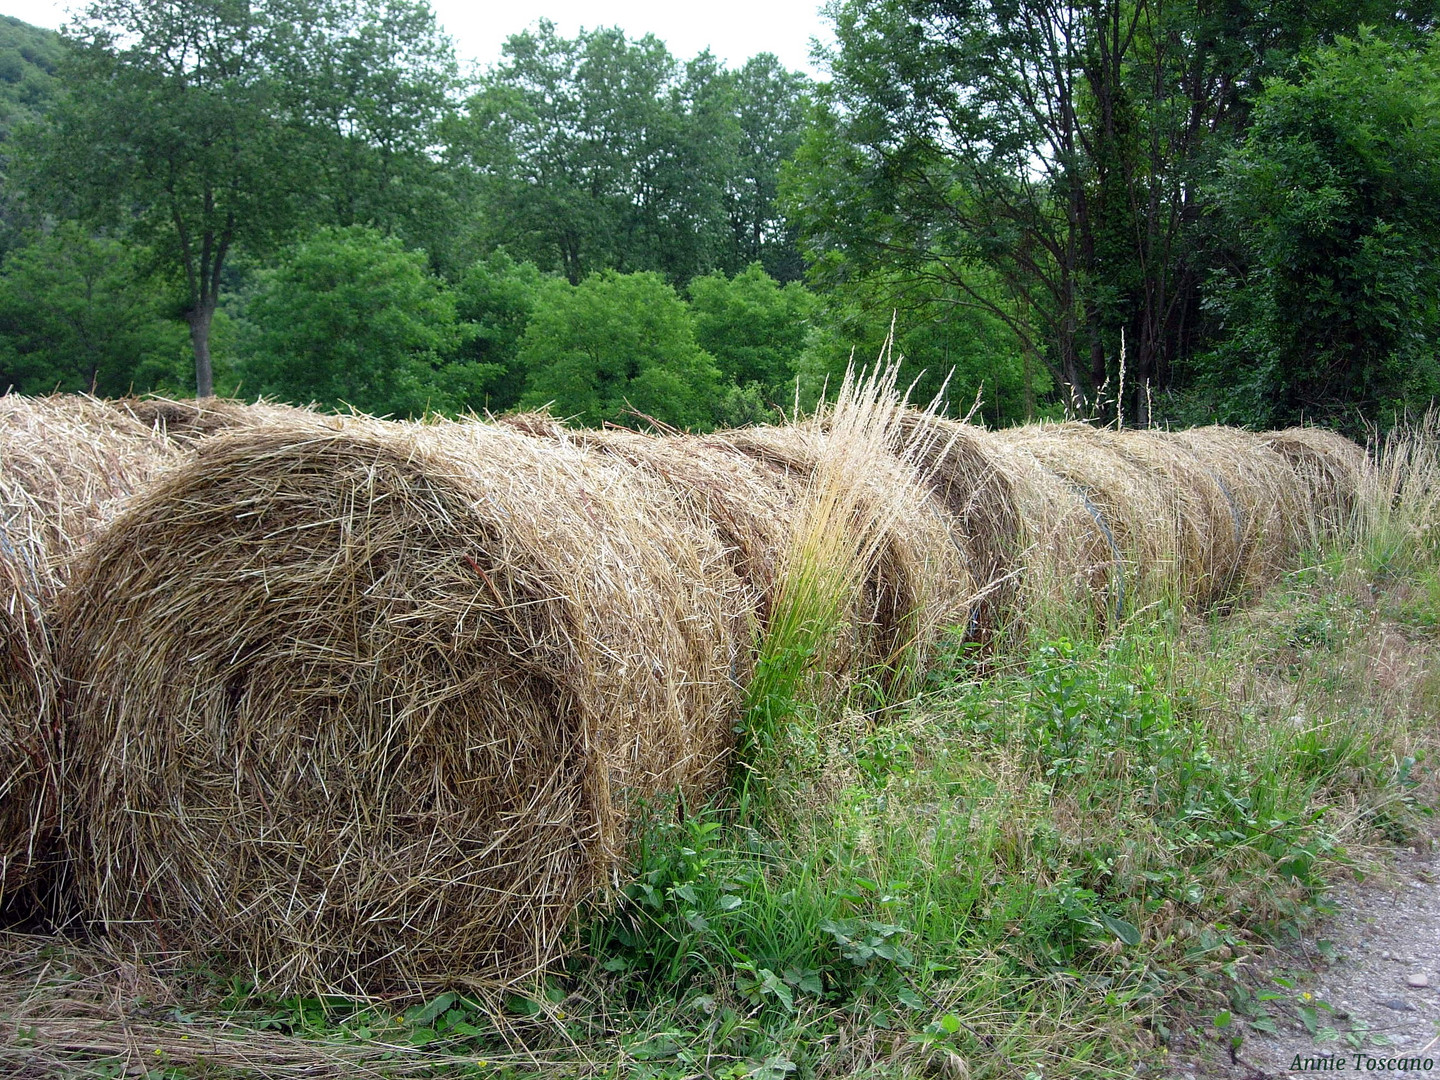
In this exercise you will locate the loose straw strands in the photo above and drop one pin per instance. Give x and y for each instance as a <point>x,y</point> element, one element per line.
<point>66,462</point>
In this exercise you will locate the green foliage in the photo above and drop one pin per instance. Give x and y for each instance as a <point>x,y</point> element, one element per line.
<point>600,152</point>
<point>755,328</point>
<point>614,343</point>
<point>349,317</point>
<point>1051,149</point>
<point>86,313</point>
<point>1329,307</point>
<point>494,299</point>
<point>29,58</point>
<point>939,336</point>
<point>374,88</point>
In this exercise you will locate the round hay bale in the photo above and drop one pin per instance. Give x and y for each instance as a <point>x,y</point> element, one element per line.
<point>751,510</point>
<point>1334,474</point>
<point>1266,509</point>
<point>1134,503</point>
<point>980,500</point>
<point>365,706</point>
<point>66,462</point>
<point>1068,549</point>
<point>919,582</point>
<point>186,421</point>
<point>1208,531</point>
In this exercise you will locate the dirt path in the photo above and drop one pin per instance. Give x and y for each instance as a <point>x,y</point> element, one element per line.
<point>1372,973</point>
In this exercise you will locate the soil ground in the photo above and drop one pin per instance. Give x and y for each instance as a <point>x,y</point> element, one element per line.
<point>1370,973</point>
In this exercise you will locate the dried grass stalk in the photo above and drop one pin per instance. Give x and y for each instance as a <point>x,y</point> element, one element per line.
<point>871,507</point>
<point>361,705</point>
<point>66,463</point>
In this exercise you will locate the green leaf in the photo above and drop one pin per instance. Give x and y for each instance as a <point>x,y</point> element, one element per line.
<point>1123,930</point>
<point>1222,1019</point>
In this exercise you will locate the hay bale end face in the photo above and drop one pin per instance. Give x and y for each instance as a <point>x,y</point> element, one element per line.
<point>66,463</point>
<point>365,706</point>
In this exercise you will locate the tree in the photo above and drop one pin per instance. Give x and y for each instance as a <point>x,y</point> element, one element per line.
<point>614,343</point>
<point>1048,146</point>
<point>1330,302</point>
<point>349,317</point>
<point>376,87</point>
<point>600,152</point>
<point>770,106</point>
<point>170,124</point>
<point>941,342</point>
<point>494,299</point>
<point>84,313</point>
<point>755,328</point>
<point>197,126</point>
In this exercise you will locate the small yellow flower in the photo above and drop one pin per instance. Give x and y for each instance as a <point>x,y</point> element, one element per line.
<point>1305,994</point>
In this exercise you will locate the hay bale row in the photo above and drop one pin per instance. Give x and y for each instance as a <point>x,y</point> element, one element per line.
<point>1200,515</point>
<point>369,706</point>
<point>66,462</point>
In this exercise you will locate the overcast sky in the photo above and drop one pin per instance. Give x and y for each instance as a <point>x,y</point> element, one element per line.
<point>734,30</point>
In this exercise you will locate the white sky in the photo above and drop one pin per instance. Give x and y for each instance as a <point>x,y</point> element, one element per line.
<point>733,30</point>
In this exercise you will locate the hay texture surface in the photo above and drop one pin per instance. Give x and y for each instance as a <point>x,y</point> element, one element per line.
<point>1126,497</point>
<point>750,508</point>
<point>186,421</point>
<point>1334,473</point>
<point>66,463</point>
<point>915,579</point>
<point>1068,552</point>
<point>365,706</point>
<point>1267,511</point>
<point>981,505</point>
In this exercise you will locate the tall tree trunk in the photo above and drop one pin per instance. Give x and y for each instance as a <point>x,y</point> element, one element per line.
<point>199,320</point>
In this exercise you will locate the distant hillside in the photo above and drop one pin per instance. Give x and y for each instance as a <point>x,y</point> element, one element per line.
<point>29,56</point>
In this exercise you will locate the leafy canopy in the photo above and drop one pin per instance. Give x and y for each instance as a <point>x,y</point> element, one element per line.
<point>614,343</point>
<point>349,317</point>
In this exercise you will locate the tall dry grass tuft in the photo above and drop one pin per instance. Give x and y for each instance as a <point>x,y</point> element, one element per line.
<point>859,516</point>
<point>1398,499</point>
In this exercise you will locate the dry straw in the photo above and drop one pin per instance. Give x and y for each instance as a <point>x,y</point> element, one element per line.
<point>1068,554</point>
<point>1267,517</point>
<point>186,421</point>
<point>66,462</point>
<point>751,510</point>
<point>364,706</point>
<point>1334,474</point>
<point>1131,501</point>
<point>983,511</point>
<point>866,520</point>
